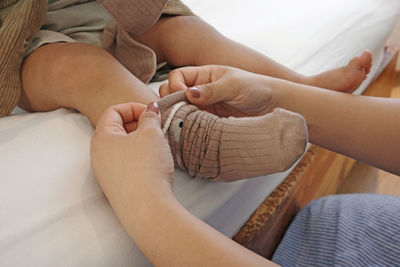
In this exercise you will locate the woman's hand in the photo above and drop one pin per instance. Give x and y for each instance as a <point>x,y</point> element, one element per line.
<point>134,166</point>
<point>131,158</point>
<point>224,91</point>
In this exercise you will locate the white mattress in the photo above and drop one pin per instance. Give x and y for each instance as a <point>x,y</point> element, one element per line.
<point>52,212</point>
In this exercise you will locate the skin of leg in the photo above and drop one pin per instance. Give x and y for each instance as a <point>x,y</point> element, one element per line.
<point>190,41</point>
<point>78,76</point>
<point>88,79</point>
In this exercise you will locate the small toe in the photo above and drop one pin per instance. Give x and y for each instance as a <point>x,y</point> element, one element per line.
<point>365,60</point>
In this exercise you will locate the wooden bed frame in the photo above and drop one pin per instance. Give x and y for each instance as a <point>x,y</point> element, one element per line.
<point>319,173</point>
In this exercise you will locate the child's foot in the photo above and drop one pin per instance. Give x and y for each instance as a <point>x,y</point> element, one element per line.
<point>347,78</point>
<point>227,149</point>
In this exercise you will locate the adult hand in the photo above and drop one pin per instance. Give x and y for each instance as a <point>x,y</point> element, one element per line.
<point>224,91</point>
<point>131,158</point>
<point>133,164</point>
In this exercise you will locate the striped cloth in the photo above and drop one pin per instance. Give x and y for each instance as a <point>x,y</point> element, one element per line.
<point>344,230</point>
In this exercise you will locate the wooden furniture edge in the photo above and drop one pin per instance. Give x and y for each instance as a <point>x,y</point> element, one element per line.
<point>319,173</point>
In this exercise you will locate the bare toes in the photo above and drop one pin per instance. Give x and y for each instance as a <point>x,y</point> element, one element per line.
<point>365,60</point>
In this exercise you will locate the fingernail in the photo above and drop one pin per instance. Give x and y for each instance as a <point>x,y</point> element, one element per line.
<point>194,92</point>
<point>153,107</point>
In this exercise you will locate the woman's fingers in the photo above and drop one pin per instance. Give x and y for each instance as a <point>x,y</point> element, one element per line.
<point>183,78</point>
<point>130,127</point>
<point>125,118</point>
<point>115,118</point>
<point>211,93</point>
<point>150,118</point>
<point>164,89</point>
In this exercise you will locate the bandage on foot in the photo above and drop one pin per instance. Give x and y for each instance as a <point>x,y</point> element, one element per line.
<point>228,149</point>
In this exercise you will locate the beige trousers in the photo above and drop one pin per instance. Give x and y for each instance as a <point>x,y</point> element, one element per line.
<point>87,21</point>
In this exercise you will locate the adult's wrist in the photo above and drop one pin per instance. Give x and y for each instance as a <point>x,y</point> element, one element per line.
<point>270,86</point>
<point>136,194</point>
<point>146,194</point>
<point>140,215</point>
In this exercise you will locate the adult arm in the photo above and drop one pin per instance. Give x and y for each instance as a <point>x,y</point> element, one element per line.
<point>364,128</point>
<point>133,165</point>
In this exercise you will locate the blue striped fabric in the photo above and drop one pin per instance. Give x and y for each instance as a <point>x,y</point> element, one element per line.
<point>344,230</point>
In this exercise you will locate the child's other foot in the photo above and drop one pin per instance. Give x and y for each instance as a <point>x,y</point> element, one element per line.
<point>347,78</point>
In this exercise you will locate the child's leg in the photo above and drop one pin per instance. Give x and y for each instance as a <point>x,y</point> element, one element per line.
<point>188,40</point>
<point>87,78</point>
<point>79,76</point>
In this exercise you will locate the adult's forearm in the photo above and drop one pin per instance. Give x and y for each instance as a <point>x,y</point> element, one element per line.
<point>170,236</point>
<point>365,128</point>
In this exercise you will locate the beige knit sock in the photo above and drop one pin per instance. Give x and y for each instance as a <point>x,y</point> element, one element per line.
<point>228,149</point>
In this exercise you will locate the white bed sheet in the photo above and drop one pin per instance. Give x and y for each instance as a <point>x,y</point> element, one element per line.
<point>52,212</point>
